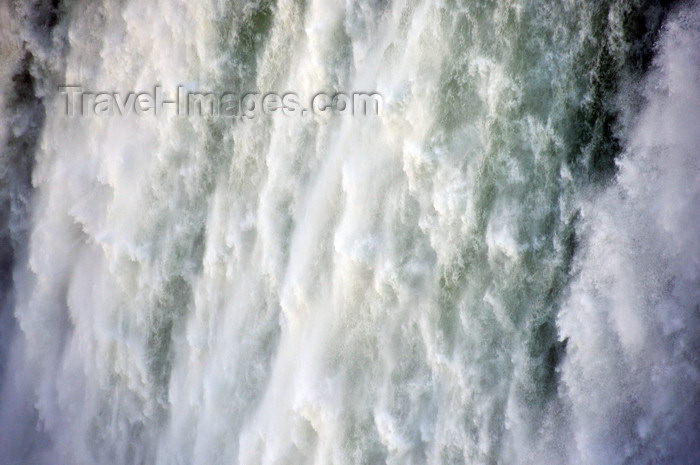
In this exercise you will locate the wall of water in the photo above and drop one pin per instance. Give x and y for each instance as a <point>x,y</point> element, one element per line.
<point>501,268</point>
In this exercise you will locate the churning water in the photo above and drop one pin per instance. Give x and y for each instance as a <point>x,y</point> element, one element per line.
<point>503,267</point>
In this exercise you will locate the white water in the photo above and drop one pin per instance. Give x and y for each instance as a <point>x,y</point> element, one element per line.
<point>632,317</point>
<point>396,290</point>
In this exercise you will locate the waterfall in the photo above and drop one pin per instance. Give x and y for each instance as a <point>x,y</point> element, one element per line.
<point>502,266</point>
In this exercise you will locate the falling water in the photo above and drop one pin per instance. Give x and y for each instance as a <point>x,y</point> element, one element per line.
<point>502,267</point>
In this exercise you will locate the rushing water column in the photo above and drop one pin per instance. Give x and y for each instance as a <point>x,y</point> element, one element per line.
<point>501,267</point>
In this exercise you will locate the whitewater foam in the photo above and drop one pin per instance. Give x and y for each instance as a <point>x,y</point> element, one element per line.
<point>501,268</point>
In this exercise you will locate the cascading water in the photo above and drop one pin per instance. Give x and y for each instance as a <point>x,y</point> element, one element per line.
<point>503,267</point>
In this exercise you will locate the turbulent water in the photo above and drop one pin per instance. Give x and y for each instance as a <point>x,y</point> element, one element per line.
<point>503,267</point>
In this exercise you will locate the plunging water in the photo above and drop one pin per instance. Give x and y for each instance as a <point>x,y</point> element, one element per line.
<point>501,268</point>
